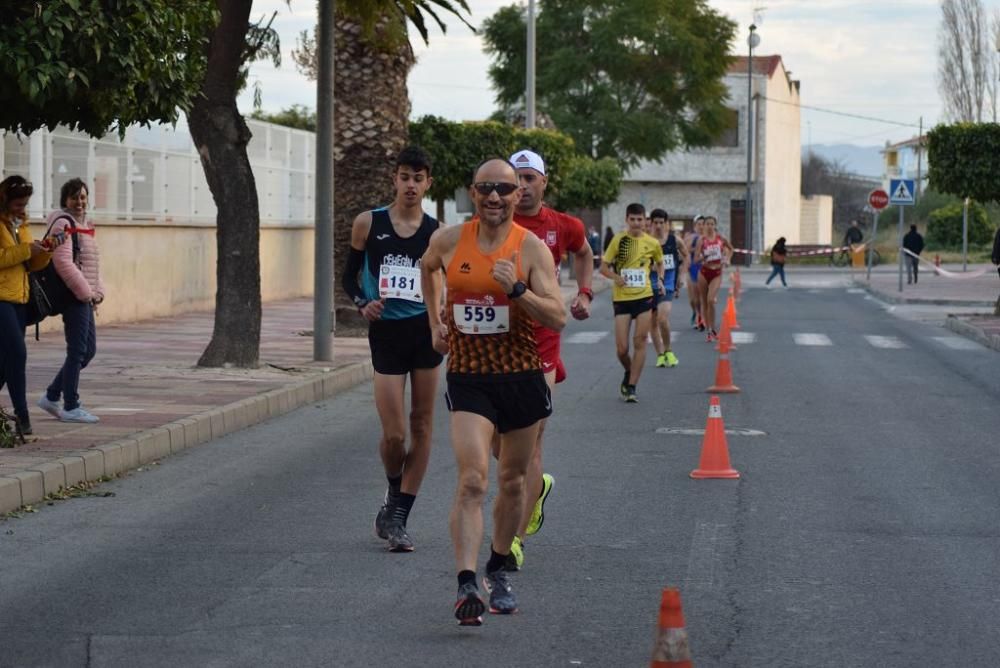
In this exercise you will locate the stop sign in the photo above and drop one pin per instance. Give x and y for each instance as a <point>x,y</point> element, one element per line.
<point>878,199</point>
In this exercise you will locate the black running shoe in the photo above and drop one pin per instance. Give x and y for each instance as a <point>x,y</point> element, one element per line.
<point>623,388</point>
<point>469,607</point>
<point>399,540</point>
<point>502,600</point>
<point>630,397</point>
<point>384,515</point>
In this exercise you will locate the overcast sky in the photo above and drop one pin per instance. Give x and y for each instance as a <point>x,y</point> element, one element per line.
<point>873,58</point>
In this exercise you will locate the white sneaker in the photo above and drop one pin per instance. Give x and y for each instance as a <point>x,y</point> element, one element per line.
<point>49,406</point>
<point>78,414</point>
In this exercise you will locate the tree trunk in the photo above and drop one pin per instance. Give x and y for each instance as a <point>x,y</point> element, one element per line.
<point>370,129</point>
<point>221,136</point>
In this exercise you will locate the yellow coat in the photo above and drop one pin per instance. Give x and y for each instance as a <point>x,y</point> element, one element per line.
<point>13,254</point>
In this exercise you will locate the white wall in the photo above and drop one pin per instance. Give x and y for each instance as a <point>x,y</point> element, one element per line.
<point>781,160</point>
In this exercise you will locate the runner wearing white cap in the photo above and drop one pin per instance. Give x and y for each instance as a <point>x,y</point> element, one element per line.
<point>562,233</point>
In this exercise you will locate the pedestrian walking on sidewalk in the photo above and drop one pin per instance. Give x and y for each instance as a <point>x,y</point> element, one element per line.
<point>382,276</point>
<point>778,255</point>
<point>996,250</point>
<point>914,243</point>
<point>81,272</point>
<point>19,254</point>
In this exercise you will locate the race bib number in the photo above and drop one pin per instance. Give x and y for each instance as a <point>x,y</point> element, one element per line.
<point>668,262</point>
<point>481,314</point>
<point>713,253</point>
<point>634,278</point>
<point>400,283</point>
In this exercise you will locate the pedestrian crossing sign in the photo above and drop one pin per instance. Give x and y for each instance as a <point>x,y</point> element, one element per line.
<point>901,191</point>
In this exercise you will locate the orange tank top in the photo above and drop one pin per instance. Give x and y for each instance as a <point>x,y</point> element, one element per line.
<point>488,333</point>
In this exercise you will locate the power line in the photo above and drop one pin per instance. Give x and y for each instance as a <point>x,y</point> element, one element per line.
<point>843,113</point>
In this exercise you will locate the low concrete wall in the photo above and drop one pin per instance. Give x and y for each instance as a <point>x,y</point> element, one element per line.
<point>154,270</point>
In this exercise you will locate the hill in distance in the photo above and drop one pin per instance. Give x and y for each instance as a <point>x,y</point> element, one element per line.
<point>860,160</point>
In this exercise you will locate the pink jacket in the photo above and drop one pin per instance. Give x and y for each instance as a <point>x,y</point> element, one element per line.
<point>83,278</point>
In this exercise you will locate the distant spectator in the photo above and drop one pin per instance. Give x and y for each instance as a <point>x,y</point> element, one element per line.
<point>609,234</point>
<point>914,243</point>
<point>594,239</point>
<point>996,250</point>
<point>19,254</point>
<point>854,235</point>
<point>82,276</point>
<point>778,255</point>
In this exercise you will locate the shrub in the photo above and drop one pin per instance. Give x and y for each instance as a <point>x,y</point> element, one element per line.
<point>944,228</point>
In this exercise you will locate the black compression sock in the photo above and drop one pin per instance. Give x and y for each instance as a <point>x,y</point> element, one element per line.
<point>394,483</point>
<point>497,561</point>
<point>401,508</point>
<point>466,577</point>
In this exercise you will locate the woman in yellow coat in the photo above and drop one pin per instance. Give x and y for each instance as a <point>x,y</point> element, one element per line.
<point>19,254</point>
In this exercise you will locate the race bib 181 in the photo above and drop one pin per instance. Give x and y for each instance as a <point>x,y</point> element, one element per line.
<point>400,283</point>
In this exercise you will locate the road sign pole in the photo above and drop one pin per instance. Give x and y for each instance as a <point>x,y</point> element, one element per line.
<point>877,200</point>
<point>899,248</point>
<point>871,244</point>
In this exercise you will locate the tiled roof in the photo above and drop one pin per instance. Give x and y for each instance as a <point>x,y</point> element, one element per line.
<point>761,65</point>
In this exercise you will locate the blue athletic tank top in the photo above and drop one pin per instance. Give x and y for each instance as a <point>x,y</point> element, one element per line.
<point>385,249</point>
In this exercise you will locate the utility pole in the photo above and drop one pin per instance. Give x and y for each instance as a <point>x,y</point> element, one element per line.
<point>323,287</point>
<point>752,40</point>
<point>529,93</point>
<point>920,157</point>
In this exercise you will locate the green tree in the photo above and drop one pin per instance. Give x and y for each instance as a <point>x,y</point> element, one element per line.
<point>627,79</point>
<point>297,116</point>
<point>94,66</point>
<point>945,226</point>
<point>588,183</point>
<point>372,108</point>
<point>964,160</point>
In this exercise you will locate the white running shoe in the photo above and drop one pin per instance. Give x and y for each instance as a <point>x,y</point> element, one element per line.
<point>78,414</point>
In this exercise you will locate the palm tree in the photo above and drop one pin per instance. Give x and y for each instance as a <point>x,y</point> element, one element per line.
<point>373,59</point>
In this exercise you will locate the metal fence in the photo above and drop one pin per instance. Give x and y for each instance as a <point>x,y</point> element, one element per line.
<point>154,176</point>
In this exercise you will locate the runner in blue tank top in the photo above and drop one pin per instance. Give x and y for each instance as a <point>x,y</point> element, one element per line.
<point>382,276</point>
<point>675,256</point>
<point>694,298</point>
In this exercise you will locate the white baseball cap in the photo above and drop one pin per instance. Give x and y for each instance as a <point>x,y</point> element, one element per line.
<point>528,159</point>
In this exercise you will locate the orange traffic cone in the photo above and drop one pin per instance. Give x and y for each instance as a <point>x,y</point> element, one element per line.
<point>725,338</point>
<point>723,375</point>
<point>714,451</point>
<point>671,649</point>
<point>730,312</point>
<point>737,284</point>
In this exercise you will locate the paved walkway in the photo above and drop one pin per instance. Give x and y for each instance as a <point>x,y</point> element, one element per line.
<point>154,401</point>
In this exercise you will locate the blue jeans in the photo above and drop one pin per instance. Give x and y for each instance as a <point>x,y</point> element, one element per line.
<point>81,346</point>
<point>776,270</point>
<point>14,355</point>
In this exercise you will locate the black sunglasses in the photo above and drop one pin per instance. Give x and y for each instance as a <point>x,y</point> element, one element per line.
<point>503,189</point>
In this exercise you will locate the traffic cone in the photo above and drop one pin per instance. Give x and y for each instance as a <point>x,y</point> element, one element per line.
<point>737,284</point>
<point>714,461</point>
<point>723,375</point>
<point>725,338</point>
<point>671,649</point>
<point>730,312</point>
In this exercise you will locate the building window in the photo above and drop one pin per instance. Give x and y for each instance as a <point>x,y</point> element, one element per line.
<point>730,137</point>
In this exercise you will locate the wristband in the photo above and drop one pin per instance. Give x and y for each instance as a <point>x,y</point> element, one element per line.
<point>586,291</point>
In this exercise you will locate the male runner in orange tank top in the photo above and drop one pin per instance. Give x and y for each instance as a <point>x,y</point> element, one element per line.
<point>500,282</point>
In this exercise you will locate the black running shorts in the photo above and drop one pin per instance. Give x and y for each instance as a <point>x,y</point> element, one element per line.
<point>400,346</point>
<point>510,402</point>
<point>633,307</point>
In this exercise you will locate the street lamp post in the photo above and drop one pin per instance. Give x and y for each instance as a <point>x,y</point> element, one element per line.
<point>529,93</point>
<point>752,41</point>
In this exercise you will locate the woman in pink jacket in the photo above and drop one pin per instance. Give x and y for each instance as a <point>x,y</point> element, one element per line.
<point>81,273</point>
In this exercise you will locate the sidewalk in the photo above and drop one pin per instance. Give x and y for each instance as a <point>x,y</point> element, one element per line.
<point>982,292</point>
<point>153,401</point>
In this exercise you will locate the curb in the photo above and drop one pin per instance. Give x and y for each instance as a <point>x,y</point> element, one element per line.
<point>31,485</point>
<point>959,326</point>
<point>919,300</point>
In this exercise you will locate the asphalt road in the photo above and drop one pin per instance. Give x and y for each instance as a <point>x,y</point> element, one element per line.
<point>863,531</point>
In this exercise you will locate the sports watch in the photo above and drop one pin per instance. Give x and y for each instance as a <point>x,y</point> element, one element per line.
<point>519,289</point>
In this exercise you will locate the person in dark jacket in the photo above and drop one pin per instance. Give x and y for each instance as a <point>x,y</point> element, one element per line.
<point>609,234</point>
<point>996,250</point>
<point>914,243</point>
<point>778,254</point>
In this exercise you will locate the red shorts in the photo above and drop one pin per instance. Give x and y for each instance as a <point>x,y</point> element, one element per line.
<point>548,341</point>
<point>710,274</point>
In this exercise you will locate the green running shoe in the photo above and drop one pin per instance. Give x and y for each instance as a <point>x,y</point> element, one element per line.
<point>516,557</point>
<point>538,512</point>
<point>670,358</point>
<point>661,360</point>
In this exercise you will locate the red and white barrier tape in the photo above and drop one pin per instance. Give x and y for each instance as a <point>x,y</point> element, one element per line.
<point>944,272</point>
<point>821,251</point>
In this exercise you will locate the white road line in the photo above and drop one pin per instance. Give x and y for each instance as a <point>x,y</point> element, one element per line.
<point>744,337</point>
<point>885,342</point>
<point>957,342</point>
<point>856,291</point>
<point>586,337</point>
<point>804,339</point>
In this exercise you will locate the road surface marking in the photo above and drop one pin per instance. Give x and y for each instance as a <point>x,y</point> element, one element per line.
<point>885,342</point>
<point>586,337</point>
<point>812,339</point>
<point>856,291</point>
<point>684,431</point>
<point>957,342</point>
<point>743,337</point>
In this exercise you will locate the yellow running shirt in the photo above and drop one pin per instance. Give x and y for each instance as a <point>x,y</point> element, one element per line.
<point>632,258</point>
